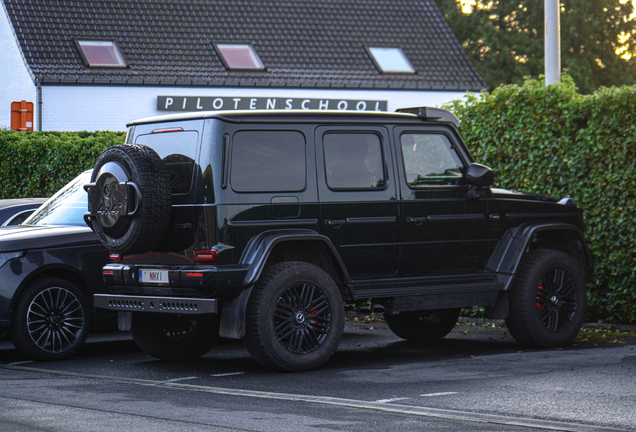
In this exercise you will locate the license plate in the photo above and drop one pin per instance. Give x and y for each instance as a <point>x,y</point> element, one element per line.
<point>153,276</point>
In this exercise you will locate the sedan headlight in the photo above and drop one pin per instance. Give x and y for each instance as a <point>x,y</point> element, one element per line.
<point>6,256</point>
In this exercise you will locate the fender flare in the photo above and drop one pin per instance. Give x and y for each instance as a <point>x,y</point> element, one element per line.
<point>512,247</point>
<point>260,247</point>
<point>255,256</point>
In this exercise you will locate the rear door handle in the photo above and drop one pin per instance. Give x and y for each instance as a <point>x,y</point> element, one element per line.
<point>336,223</point>
<point>416,220</point>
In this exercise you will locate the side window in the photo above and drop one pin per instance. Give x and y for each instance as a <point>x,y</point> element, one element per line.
<point>431,160</point>
<point>268,161</point>
<point>353,161</point>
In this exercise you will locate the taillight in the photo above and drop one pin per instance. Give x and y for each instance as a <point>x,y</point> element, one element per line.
<point>115,257</point>
<point>205,255</point>
<point>194,274</point>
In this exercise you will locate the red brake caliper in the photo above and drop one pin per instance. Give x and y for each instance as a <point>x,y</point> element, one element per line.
<point>539,301</point>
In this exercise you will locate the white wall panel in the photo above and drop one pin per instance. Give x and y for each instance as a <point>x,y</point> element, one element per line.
<point>83,107</point>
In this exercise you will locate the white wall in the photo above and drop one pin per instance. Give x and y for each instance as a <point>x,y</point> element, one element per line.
<point>79,107</point>
<point>16,83</point>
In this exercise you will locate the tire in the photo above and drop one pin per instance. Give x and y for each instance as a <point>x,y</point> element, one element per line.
<point>50,320</point>
<point>175,337</point>
<point>423,326</point>
<point>547,301</point>
<point>286,329</point>
<point>123,221</point>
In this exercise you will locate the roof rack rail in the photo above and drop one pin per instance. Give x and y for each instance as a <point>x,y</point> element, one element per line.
<point>432,114</point>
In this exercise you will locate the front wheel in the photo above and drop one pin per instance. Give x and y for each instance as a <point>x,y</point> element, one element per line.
<point>174,337</point>
<point>50,320</point>
<point>423,326</point>
<point>547,301</point>
<point>295,317</point>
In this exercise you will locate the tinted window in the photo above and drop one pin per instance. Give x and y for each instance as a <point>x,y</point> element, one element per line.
<point>353,161</point>
<point>268,161</point>
<point>178,151</point>
<point>431,160</point>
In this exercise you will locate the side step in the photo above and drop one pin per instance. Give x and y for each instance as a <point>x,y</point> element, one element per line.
<point>169,305</point>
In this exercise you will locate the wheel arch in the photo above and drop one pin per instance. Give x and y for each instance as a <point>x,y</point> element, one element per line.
<point>277,246</point>
<point>71,274</point>
<point>518,241</point>
<point>296,245</point>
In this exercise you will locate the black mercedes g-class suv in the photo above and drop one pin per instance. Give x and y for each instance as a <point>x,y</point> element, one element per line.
<point>259,225</point>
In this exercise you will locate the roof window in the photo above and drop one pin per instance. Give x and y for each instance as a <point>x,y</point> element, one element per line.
<point>101,53</point>
<point>390,60</point>
<point>238,56</point>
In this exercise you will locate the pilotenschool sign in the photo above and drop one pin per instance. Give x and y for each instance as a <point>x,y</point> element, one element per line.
<point>207,103</point>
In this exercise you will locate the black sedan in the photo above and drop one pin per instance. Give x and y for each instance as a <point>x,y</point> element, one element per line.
<point>15,211</point>
<point>49,268</point>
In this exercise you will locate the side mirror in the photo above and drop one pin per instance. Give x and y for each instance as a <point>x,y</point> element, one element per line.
<point>480,175</point>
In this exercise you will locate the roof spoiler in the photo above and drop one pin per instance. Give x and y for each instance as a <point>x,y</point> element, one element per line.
<point>432,114</point>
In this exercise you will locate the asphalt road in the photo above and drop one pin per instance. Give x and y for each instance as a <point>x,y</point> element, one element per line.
<point>477,379</point>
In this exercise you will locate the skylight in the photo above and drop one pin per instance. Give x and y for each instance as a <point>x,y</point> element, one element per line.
<point>238,56</point>
<point>390,60</point>
<point>101,53</point>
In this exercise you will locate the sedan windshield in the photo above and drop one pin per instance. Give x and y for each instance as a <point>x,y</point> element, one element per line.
<point>66,207</point>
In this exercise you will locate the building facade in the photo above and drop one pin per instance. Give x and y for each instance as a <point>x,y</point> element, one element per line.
<point>99,65</point>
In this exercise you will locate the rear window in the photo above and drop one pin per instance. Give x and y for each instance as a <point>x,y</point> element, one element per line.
<point>178,151</point>
<point>268,161</point>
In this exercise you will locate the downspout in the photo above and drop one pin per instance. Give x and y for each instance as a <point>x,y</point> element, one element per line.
<point>38,102</point>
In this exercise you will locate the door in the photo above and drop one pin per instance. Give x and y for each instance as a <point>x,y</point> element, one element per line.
<point>358,198</point>
<point>445,231</point>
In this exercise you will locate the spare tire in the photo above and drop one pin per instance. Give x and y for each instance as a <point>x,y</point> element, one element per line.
<point>129,199</point>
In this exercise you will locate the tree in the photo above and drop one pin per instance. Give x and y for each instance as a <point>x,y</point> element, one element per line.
<point>504,39</point>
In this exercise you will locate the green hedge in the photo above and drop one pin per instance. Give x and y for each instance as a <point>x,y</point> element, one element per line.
<point>39,163</point>
<point>556,141</point>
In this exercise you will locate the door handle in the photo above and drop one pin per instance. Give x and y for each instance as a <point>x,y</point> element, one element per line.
<point>416,220</point>
<point>336,223</point>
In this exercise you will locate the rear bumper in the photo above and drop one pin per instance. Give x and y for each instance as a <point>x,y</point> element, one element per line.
<point>157,304</point>
<point>183,281</point>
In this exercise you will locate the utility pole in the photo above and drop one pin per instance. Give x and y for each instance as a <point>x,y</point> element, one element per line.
<point>552,42</point>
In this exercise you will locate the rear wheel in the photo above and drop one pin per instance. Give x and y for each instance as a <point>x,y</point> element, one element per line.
<point>50,320</point>
<point>423,326</point>
<point>547,301</point>
<point>175,337</point>
<point>295,317</point>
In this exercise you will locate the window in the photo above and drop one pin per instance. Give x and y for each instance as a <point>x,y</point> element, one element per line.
<point>101,53</point>
<point>177,148</point>
<point>268,161</point>
<point>353,161</point>
<point>238,56</point>
<point>390,60</point>
<point>430,160</point>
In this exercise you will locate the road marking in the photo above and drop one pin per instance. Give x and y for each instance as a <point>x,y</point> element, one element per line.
<point>21,362</point>
<point>349,403</point>
<point>180,379</point>
<point>227,374</point>
<point>438,394</point>
<point>391,400</point>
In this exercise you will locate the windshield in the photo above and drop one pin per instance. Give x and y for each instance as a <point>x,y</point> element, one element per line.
<point>66,207</point>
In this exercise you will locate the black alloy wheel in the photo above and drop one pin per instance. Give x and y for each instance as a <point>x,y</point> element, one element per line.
<point>556,299</point>
<point>547,300</point>
<point>175,337</point>
<point>295,317</point>
<point>302,318</point>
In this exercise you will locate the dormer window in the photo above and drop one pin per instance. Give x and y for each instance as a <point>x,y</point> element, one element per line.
<point>100,53</point>
<point>390,60</point>
<point>238,56</point>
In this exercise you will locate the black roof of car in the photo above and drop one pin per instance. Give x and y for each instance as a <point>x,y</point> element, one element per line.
<point>415,115</point>
<point>301,43</point>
